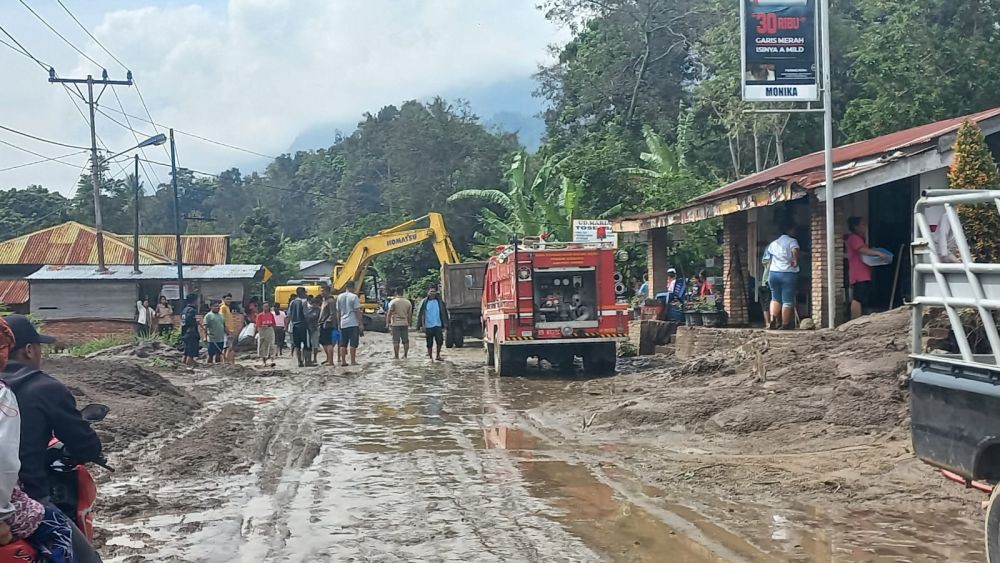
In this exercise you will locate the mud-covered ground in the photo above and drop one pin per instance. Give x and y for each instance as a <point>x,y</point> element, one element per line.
<point>801,458</point>
<point>803,431</point>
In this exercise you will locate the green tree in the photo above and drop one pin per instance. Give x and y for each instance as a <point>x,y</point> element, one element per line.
<point>907,79</point>
<point>30,209</point>
<point>973,168</point>
<point>262,243</point>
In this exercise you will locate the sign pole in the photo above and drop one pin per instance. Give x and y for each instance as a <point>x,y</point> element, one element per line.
<point>831,271</point>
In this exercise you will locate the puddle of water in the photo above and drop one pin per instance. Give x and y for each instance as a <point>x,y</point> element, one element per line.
<point>616,527</point>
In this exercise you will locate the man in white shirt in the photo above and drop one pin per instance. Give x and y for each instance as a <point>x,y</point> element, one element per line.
<point>352,324</point>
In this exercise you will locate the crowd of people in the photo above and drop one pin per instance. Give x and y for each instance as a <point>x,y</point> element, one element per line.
<point>306,325</point>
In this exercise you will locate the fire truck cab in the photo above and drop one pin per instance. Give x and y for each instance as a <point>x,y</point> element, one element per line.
<point>552,301</point>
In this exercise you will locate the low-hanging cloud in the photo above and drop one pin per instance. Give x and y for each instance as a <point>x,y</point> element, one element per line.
<point>258,72</point>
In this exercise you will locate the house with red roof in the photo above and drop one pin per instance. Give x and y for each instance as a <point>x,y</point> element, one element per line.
<point>878,179</point>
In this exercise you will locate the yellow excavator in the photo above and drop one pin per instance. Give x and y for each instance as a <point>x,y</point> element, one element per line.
<point>394,238</point>
<point>355,267</point>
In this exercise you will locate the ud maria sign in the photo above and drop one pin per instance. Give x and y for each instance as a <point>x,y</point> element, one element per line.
<point>779,50</point>
<point>594,230</point>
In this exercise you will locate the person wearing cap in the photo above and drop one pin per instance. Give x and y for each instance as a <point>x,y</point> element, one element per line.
<point>47,409</point>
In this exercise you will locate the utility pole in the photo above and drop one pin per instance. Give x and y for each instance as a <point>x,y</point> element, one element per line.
<point>95,164</point>
<point>831,272</point>
<point>135,225</point>
<point>177,218</point>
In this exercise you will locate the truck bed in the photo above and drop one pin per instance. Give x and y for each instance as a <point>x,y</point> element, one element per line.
<point>955,410</point>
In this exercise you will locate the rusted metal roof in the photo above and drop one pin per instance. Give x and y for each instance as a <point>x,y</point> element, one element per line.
<point>71,243</point>
<point>197,249</point>
<point>75,243</point>
<point>150,272</point>
<point>806,172</point>
<point>13,292</point>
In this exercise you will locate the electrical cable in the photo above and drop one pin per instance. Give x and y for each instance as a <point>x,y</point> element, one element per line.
<point>30,136</point>
<point>31,152</point>
<point>135,135</point>
<point>199,137</point>
<point>60,36</point>
<point>142,100</point>
<point>23,51</point>
<point>50,159</point>
<point>91,35</point>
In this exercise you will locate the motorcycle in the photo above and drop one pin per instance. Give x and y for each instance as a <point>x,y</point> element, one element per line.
<point>72,490</point>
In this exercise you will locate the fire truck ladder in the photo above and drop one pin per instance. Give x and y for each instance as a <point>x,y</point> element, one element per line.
<point>941,279</point>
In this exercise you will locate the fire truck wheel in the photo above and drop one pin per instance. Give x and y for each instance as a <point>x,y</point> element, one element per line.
<point>599,359</point>
<point>489,353</point>
<point>993,527</point>
<point>509,360</point>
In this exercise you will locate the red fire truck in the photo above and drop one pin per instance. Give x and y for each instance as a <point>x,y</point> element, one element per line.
<point>553,301</point>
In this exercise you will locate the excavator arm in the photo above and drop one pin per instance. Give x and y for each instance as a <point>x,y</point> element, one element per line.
<point>394,238</point>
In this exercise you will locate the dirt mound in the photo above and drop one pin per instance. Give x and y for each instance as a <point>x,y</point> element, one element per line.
<point>144,349</point>
<point>847,379</point>
<point>141,401</point>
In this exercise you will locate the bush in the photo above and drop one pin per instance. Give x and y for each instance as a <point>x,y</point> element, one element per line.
<point>97,345</point>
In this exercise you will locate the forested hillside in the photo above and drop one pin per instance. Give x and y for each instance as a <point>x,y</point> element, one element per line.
<point>644,113</point>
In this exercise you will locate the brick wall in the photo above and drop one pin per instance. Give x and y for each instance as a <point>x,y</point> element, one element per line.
<point>75,331</point>
<point>656,261</point>
<point>690,342</point>
<point>734,268</point>
<point>817,231</point>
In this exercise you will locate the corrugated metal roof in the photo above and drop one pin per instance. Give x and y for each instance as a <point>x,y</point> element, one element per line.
<point>150,272</point>
<point>806,172</point>
<point>197,249</point>
<point>843,155</point>
<point>75,243</point>
<point>71,243</point>
<point>13,292</point>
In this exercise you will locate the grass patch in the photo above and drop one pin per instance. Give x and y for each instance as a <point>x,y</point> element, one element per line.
<point>97,345</point>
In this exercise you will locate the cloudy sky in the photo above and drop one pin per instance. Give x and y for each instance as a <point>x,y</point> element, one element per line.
<point>268,75</point>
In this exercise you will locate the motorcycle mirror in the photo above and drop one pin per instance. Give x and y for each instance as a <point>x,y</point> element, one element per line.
<point>94,412</point>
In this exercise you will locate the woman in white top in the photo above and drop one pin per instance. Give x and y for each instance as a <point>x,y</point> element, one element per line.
<point>783,275</point>
<point>145,316</point>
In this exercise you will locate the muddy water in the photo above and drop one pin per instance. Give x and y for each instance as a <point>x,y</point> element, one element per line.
<point>420,461</point>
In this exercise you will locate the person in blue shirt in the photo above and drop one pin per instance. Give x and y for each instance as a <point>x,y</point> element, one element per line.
<point>433,319</point>
<point>643,293</point>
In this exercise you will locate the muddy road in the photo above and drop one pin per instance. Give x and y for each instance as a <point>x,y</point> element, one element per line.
<point>433,461</point>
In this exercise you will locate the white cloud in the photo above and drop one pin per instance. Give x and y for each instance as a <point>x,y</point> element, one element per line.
<point>256,73</point>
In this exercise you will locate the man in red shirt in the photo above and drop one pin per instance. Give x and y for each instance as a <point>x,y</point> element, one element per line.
<point>859,274</point>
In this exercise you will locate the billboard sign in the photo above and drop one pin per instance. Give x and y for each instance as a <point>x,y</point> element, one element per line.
<point>780,50</point>
<point>594,230</point>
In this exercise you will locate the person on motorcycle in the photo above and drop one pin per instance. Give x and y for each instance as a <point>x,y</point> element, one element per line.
<point>21,517</point>
<point>47,409</point>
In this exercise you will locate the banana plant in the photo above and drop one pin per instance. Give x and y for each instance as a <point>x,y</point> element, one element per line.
<point>547,205</point>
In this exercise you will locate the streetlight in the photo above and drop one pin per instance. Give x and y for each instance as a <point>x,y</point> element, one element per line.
<point>158,139</point>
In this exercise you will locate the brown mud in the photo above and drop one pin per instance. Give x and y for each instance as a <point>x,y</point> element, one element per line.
<point>416,460</point>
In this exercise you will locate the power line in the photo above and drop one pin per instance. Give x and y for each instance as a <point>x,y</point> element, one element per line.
<point>258,184</point>
<point>49,159</point>
<point>142,100</point>
<point>30,136</point>
<point>91,35</point>
<point>31,152</point>
<point>22,50</point>
<point>199,137</point>
<point>142,151</point>
<point>53,30</point>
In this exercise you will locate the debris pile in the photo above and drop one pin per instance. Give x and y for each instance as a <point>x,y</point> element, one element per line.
<point>142,402</point>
